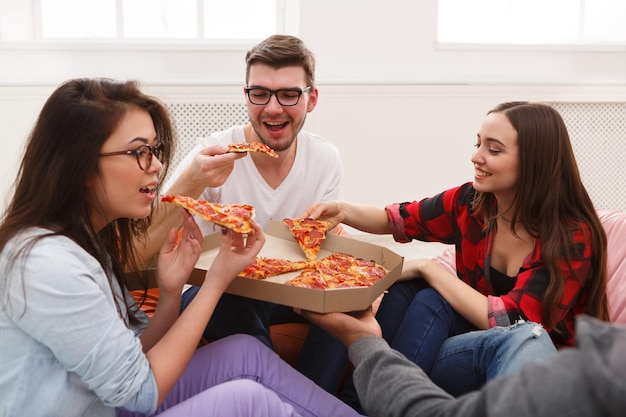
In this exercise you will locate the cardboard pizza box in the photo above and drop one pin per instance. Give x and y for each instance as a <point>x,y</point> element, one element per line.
<point>281,244</point>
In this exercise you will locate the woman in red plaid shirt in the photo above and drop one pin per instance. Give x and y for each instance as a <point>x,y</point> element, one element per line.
<point>530,254</point>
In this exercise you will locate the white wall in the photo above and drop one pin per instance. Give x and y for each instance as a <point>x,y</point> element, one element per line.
<point>384,85</point>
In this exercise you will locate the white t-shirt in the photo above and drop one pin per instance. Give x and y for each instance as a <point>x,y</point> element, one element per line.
<point>316,175</point>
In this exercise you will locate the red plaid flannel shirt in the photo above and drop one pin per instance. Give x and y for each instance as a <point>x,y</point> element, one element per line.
<point>448,218</point>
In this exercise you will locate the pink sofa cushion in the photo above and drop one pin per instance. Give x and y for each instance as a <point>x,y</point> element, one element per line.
<point>614,223</point>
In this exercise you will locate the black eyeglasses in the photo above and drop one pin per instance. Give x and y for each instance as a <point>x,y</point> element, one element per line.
<point>143,154</point>
<point>285,96</point>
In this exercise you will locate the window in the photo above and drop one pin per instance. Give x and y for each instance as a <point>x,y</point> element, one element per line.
<point>157,19</point>
<point>532,22</point>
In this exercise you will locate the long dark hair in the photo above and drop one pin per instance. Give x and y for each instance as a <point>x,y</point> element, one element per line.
<point>61,157</point>
<point>551,202</point>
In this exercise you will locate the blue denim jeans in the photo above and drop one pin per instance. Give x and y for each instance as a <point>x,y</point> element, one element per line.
<point>467,361</point>
<point>323,359</point>
<point>419,323</point>
<point>416,321</point>
<point>427,322</point>
<point>457,356</point>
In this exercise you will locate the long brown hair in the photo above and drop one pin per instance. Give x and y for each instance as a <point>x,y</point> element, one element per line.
<point>61,157</point>
<point>551,202</point>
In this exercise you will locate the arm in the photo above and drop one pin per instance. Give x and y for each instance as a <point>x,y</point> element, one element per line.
<point>465,300</point>
<point>172,274</point>
<point>366,218</point>
<point>387,383</point>
<point>391,385</point>
<point>171,354</point>
<point>62,300</point>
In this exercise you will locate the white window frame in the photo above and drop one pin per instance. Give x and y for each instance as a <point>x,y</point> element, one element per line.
<point>287,19</point>
<point>548,47</point>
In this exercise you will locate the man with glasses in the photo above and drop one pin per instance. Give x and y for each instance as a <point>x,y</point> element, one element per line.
<point>280,91</point>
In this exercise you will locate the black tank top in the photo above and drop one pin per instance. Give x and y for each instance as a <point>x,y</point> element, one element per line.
<point>501,283</point>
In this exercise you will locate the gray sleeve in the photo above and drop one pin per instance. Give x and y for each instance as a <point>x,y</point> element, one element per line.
<point>587,381</point>
<point>390,385</point>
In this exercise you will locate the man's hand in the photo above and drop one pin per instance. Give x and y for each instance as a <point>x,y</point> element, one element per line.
<point>211,167</point>
<point>346,327</point>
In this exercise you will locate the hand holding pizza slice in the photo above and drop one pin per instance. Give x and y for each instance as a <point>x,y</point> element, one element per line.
<point>231,216</point>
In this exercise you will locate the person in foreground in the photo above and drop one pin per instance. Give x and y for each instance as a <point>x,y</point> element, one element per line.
<point>586,381</point>
<point>280,91</point>
<point>529,246</point>
<point>73,342</point>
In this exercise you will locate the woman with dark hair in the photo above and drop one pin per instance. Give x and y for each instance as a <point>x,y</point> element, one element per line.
<point>73,342</point>
<point>529,249</point>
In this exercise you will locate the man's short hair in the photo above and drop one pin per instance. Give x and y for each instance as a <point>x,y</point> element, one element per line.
<point>280,51</point>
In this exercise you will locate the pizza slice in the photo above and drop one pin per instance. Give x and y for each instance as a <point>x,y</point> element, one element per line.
<point>252,147</point>
<point>309,234</point>
<point>232,216</point>
<point>309,278</point>
<point>339,270</point>
<point>263,268</point>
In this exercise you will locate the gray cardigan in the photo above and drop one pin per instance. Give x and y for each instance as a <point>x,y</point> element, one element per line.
<point>589,380</point>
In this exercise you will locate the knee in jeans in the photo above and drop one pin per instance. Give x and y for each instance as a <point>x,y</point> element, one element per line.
<point>527,330</point>
<point>430,298</point>
<point>528,339</point>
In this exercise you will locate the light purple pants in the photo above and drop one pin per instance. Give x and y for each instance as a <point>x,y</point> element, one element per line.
<point>239,376</point>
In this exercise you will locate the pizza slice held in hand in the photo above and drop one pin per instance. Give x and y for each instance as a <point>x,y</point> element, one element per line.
<point>231,216</point>
<point>252,147</point>
<point>309,234</point>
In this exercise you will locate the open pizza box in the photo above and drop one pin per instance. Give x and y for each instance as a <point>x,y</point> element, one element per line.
<point>281,244</point>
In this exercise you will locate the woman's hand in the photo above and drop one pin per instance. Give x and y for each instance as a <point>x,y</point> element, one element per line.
<point>364,217</point>
<point>177,258</point>
<point>426,269</point>
<point>236,252</point>
<point>346,327</point>
<point>329,210</point>
<point>413,268</point>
